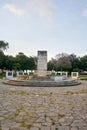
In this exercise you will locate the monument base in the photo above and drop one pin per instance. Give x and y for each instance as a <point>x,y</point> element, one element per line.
<point>42,82</point>
<point>42,73</point>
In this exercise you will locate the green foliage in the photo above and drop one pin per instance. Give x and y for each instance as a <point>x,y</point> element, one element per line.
<point>83,77</point>
<point>76,64</point>
<point>23,62</point>
<point>50,65</point>
<point>75,69</point>
<point>9,62</point>
<point>4,45</point>
<point>2,60</point>
<point>1,76</point>
<point>20,62</point>
<point>84,62</point>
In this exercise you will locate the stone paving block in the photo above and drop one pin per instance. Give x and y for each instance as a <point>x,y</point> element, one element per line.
<point>40,120</point>
<point>74,128</point>
<point>4,128</point>
<point>46,124</point>
<point>37,124</point>
<point>1,118</point>
<point>54,127</point>
<point>34,128</point>
<point>83,128</point>
<point>45,128</point>
<point>78,123</point>
<point>63,128</point>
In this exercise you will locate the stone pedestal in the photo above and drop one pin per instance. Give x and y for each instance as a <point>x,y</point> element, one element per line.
<point>74,75</point>
<point>9,74</point>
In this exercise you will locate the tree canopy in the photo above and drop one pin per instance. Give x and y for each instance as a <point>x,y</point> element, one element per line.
<point>4,45</point>
<point>65,62</point>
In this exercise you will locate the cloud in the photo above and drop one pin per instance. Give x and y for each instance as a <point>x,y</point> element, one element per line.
<point>14,9</point>
<point>44,8</point>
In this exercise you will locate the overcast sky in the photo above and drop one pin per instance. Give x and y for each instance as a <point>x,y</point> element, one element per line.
<point>53,25</point>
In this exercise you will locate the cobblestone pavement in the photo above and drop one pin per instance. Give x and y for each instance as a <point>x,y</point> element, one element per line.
<point>43,108</point>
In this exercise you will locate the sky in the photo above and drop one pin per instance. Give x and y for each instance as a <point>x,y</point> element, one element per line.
<point>57,26</point>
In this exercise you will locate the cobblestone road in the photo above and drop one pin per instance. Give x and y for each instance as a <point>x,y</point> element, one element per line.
<point>38,108</point>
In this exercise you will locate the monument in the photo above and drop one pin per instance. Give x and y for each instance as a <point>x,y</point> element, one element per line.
<point>42,80</point>
<point>42,63</point>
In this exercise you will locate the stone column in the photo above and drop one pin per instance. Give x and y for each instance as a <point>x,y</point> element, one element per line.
<point>42,63</point>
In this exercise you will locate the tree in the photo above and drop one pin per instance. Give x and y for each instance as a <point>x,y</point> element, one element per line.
<point>76,63</point>
<point>2,60</point>
<point>63,61</point>
<point>52,65</point>
<point>9,61</point>
<point>4,45</point>
<point>22,62</point>
<point>84,63</point>
<point>32,63</point>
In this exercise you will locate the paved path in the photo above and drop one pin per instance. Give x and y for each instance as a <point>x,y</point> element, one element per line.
<point>38,108</point>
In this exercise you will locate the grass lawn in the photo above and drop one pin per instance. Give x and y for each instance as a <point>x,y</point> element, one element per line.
<point>83,77</point>
<point>1,76</point>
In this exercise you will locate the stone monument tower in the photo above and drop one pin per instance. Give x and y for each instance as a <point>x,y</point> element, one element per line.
<point>42,63</point>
